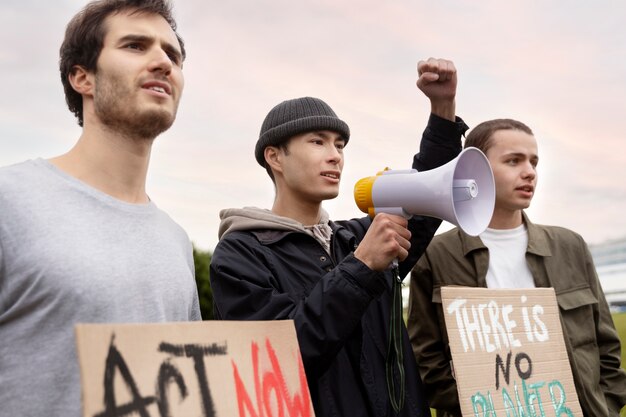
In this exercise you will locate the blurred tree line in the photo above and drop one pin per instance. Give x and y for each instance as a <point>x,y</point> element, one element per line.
<point>202,261</point>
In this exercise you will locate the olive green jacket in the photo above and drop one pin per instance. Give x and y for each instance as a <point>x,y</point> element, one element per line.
<point>557,258</point>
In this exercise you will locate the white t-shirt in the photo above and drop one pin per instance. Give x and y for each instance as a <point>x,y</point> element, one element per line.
<point>507,258</point>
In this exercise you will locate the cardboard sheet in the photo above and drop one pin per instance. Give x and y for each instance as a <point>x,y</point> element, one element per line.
<point>508,353</point>
<point>210,368</point>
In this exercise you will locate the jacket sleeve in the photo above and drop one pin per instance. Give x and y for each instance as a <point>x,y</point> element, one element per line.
<point>441,143</point>
<point>246,287</point>
<point>426,326</point>
<point>612,375</point>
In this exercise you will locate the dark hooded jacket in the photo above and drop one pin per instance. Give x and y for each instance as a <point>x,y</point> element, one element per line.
<point>267,267</point>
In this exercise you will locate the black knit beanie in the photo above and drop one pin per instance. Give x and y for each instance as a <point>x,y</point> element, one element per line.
<point>292,117</point>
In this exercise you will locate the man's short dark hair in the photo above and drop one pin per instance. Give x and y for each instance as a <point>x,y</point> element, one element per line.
<point>84,38</point>
<point>481,136</point>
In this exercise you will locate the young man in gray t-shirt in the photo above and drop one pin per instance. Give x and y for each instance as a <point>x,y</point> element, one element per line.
<point>80,240</point>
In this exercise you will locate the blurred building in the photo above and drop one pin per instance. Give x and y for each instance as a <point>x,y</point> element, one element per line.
<point>610,261</point>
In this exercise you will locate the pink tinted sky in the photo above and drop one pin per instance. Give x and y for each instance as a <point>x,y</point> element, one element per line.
<point>559,67</point>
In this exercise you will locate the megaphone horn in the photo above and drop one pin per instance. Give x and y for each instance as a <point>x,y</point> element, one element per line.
<point>461,192</point>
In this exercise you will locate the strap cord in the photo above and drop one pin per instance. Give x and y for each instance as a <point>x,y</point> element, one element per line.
<point>395,359</point>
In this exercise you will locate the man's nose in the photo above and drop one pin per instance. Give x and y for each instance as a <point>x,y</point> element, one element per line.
<point>530,171</point>
<point>160,61</point>
<point>334,154</point>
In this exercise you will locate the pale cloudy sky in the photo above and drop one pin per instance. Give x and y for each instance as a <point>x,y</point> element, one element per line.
<point>558,66</point>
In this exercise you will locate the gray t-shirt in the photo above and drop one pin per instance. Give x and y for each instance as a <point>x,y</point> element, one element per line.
<point>72,254</point>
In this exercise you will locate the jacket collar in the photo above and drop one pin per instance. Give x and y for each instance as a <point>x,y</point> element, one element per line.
<point>537,240</point>
<point>268,237</point>
<point>470,243</point>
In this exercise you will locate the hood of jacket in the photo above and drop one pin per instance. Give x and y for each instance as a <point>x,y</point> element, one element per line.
<point>254,218</point>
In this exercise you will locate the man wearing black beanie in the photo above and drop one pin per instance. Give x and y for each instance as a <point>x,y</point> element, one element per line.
<point>331,278</point>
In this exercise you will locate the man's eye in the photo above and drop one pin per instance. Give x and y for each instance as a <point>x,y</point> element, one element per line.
<point>173,57</point>
<point>134,46</point>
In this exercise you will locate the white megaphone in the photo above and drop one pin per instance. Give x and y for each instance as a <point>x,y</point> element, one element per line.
<point>461,192</point>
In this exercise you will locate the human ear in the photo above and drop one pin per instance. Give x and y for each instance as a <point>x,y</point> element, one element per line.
<point>82,81</point>
<point>273,158</point>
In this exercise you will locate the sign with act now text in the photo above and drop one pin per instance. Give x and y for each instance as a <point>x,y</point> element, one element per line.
<point>209,369</point>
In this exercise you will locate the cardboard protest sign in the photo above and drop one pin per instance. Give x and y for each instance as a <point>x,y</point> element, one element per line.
<point>199,369</point>
<point>508,352</point>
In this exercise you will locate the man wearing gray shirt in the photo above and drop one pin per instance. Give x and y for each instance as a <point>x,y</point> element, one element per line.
<point>80,240</point>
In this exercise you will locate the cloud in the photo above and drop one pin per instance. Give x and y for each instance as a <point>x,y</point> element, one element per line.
<point>562,71</point>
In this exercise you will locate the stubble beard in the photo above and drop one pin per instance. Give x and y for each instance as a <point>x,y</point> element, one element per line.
<point>114,107</point>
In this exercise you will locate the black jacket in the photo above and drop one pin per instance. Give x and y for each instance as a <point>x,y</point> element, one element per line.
<point>339,306</point>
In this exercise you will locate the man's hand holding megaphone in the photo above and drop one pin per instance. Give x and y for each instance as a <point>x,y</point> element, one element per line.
<point>386,239</point>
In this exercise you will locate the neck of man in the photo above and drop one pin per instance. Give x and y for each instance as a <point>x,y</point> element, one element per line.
<point>112,163</point>
<point>307,213</point>
<point>504,219</point>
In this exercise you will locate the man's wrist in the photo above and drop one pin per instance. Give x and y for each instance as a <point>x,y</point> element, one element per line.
<point>445,110</point>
